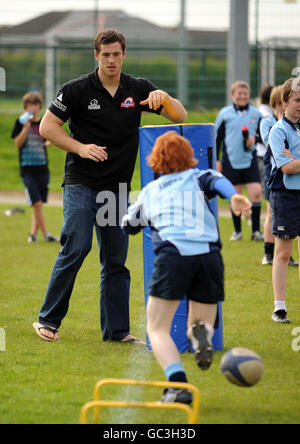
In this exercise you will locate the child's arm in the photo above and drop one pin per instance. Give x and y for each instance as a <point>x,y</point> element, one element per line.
<point>220,129</point>
<point>214,183</point>
<point>253,139</point>
<point>239,203</point>
<point>20,139</point>
<point>292,167</point>
<point>220,138</point>
<point>265,128</point>
<point>278,144</point>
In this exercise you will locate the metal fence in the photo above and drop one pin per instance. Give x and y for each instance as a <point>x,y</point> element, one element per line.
<point>45,68</point>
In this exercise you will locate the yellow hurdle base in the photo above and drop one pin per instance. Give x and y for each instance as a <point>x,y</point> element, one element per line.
<point>96,404</point>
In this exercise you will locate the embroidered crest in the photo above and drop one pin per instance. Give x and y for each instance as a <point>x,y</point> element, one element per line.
<point>94,105</point>
<point>128,103</point>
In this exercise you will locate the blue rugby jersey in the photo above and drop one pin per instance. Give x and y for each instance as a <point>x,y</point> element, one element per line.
<point>265,127</point>
<point>229,124</point>
<point>176,208</point>
<point>284,134</point>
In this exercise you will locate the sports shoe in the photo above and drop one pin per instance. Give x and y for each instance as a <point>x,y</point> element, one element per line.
<point>293,263</point>
<point>50,238</point>
<point>13,211</point>
<point>32,238</point>
<point>202,345</point>
<point>177,395</point>
<point>280,316</point>
<point>257,236</point>
<point>267,260</point>
<point>236,236</point>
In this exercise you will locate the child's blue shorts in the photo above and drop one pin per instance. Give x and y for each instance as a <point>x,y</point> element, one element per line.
<point>36,188</point>
<point>200,278</point>
<point>285,211</point>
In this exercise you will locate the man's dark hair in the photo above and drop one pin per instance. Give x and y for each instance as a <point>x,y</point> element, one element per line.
<point>265,94</point>
<point>109,36</point>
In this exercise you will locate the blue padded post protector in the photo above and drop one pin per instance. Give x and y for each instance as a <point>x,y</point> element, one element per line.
<point>203,141</point>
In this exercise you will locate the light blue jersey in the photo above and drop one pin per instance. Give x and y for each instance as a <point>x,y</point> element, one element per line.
<point>176,208</point>
<point>266,124</point>
<point>265,127</point>
<point>229,124</point>
<point>284,134</point>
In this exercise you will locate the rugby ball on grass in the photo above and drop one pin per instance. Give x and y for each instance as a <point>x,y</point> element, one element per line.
<point>242,367</point>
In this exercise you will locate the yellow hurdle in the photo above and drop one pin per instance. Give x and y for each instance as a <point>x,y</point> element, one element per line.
<point>96,404</point>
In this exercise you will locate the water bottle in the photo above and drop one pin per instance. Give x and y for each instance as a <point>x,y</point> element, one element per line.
<point>25,117</point>
<point>245,132</point>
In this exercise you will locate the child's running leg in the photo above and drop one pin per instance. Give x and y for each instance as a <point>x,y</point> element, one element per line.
<point>201,321</point>
<point>160,313</point>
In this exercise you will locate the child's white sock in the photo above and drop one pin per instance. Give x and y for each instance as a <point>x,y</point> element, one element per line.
<point>280,305</point>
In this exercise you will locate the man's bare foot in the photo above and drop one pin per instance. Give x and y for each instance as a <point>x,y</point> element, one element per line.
<point>49,334</point>
<point>46,332</point>
<point>132,339</point>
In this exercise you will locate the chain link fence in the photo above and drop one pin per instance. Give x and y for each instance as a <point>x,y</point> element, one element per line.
<point>28,68</point>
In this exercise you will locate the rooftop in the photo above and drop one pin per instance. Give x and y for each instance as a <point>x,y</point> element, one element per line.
<point>82,26</point>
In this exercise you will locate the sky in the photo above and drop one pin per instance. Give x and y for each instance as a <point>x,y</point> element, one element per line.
<point>277,18</point>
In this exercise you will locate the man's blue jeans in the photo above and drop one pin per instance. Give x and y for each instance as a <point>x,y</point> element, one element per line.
<point>80,212</point>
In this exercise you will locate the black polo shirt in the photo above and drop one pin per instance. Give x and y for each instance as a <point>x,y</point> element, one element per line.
<point>97,117</point>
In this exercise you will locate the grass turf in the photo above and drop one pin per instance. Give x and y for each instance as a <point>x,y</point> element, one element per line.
<point>48,383</point>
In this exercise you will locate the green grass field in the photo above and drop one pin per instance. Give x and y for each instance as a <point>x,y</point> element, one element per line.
<point>48,383</point>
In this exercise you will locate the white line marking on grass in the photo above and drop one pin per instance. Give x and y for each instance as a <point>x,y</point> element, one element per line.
<point>137,370</point>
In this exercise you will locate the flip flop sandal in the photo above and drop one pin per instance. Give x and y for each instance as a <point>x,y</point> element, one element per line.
<point>37,326</point>
<point>133,340</point>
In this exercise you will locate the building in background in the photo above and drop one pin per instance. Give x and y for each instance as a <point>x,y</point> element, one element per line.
<point>81,27</point>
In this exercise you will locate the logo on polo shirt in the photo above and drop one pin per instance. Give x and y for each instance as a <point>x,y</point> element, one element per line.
<point>128,103</point>
<point>94,105</point>
<point>58,103</point>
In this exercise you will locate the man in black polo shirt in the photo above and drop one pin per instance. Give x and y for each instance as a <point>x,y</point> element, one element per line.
<point>104,112</point>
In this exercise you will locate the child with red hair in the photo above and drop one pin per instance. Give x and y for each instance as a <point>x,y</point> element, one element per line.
<point>187,245</point>
<point>171,154</point>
